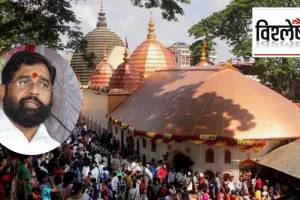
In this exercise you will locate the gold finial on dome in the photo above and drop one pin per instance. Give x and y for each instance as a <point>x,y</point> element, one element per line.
<point>228,64</point>
<point>101,17</point>
<point>126,54</point>
<point>105,54</point>
<point>151,30</point>
<point>203,54</point>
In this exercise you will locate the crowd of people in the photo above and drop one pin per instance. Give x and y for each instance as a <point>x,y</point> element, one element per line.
<point>91,166</point>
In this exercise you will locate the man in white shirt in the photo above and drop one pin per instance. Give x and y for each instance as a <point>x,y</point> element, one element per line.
<point>171,176</point>
<point>26,90</point>
<point>148,172</point>
<point>114,182</point>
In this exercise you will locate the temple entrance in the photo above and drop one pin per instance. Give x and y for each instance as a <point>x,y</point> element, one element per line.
<point>179,161</point>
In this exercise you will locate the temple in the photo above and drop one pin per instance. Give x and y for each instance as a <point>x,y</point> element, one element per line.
<point>151,55</point>
<point>99,40</point>
<point>197,117</point>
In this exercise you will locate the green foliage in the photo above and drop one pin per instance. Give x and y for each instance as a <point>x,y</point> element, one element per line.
<point>43,22</point>
<point>40,22</point>
<point>279,73</point>
<point>233,24</point>
<point>170,8</point>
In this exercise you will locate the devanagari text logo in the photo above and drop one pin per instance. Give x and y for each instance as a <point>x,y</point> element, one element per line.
<point>276,32</point>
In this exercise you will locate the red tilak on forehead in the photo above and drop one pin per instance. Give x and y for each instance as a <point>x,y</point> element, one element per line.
<point>34,75</point>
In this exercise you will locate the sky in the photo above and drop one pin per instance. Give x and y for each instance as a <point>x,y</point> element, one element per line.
<point>132,22</point>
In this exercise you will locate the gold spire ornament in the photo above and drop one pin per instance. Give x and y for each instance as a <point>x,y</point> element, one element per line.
<point>101,17</point>
<point>228,64</point>
<point>126,54</point>
<point>203,58</point>
<point>151,30</point>
<point>203,54</point>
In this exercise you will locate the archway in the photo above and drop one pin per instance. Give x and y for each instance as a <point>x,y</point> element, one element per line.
<point>179,161</point>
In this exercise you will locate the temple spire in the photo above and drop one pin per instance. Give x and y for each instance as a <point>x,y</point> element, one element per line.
<point>203,58</point>
<point>151,30</point>
<point>228,64</point>
<point>126,54</point>
<point>101,17</point>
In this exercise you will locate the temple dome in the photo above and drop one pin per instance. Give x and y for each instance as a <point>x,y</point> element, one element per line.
<point>97,40</point>
<point>100,77</point>
<point>125,77</point>
<point>189,103</point>
<point>151,55</point>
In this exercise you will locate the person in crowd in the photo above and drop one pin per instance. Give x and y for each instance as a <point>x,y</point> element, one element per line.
<point>257,195</point>
<point>276,195</point>
<point>148,172</point>
<point>238,184</point>
<point>143,188</point>
<point>134,193</point>
<point>119,177</point>
<point>58,184</point>
<point>227,193</point>
<point>77,193</point>
<point>67,185</point>
<point>221,194</point>
<point>162,172</point>
<point>94,192</point>
<point>172,191</point>
<point>121,187</point>
<point>218,182</point>
<point>230,184</point>
<point>104,190</point>
<point>203,182</point>
<point>195,182</point>
<point>23,179</point>
<point>164,191</point>
<point>205,195</point>
<point>47,186</point>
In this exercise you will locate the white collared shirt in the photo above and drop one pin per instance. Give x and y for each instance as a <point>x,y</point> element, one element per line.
<point>13,139</point>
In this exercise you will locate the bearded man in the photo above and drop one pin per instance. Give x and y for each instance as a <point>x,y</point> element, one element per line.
<point>27,93</point>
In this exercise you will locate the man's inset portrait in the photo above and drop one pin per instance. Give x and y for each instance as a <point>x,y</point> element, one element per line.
<point>28,94</point>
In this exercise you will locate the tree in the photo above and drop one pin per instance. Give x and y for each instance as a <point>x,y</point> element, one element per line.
<point>43,22</point>
<point>234,25</point>
<point>38,22</point>
<point>279,72</point>
<point>170,8</point>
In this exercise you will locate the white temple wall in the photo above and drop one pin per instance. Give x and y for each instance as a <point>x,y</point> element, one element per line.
<point>94,107</point>
<point>197,153</point>
<point>157,155</point>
